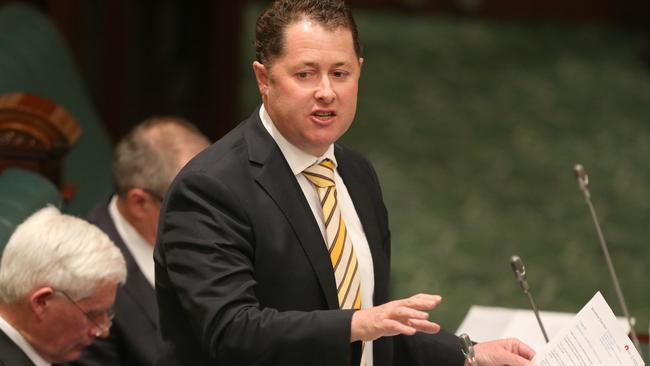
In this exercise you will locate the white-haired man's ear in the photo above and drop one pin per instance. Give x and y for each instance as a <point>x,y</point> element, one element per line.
<point>39,299</point>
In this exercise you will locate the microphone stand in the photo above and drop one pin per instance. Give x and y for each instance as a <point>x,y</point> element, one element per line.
<point>535,310</point>
<point>520,273</point>
<point>583,181</point>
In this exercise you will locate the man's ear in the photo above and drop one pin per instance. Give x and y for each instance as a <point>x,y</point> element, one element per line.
<point>262,76</point>
<point>39,299</point>
<point>136,202</point>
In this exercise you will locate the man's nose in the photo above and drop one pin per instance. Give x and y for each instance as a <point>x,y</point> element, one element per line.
<point>99,331</point>
<point>325,91</point>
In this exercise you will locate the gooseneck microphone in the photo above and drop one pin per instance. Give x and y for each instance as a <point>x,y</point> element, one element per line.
<point>467,347</point>
<point>519,270</point>
<point>583,182</point>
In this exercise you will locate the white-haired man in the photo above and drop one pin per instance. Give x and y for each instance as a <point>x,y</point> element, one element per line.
<point>58,278</point>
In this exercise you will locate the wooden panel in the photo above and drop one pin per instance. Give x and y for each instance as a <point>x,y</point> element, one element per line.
<point>35,134</point>
<point>634,12</point>
<point>163,58</point>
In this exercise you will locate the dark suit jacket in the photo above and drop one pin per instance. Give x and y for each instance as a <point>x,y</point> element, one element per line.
<point>243,276</point>
<point>11,354</point>
<point>134,339</point>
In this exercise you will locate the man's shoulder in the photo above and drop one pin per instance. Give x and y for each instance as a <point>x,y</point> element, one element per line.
<point>223,149</point>
<point>345,151</point>
<point>100,217</point>
<point>11,353</point>
<point>99,213</point>
<point>348,156</point>
<point>232,154</point>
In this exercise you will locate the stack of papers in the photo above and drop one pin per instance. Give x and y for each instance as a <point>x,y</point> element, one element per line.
<point>592,337</point>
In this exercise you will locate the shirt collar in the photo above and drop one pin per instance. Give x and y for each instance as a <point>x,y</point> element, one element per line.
<point>297,159</point>
<point>139,248</point>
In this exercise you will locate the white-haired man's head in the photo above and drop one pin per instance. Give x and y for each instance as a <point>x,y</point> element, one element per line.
<point>62,251</point>
<point>58,277</point>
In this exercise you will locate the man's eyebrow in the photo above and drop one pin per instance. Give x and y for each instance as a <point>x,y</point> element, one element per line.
<point>316,65</point>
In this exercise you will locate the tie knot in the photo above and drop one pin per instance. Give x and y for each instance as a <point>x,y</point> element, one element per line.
<point>321,175</point>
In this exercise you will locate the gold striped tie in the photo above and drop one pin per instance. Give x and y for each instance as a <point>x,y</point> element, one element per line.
<point>339,245</point>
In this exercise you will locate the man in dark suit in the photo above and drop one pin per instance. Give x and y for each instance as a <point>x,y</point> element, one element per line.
<point>144,164</point>
<point>58,278</point>
<point>12,354</point>
<point>274,246</point>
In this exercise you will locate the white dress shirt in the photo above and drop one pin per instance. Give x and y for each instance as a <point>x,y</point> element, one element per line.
<point>140,249</point>
<point>22,343</point>
<point>298,161</point>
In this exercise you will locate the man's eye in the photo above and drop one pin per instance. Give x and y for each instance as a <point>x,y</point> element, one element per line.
<point>95,314</point>
<point>339,74</point>
<point>302,75</point>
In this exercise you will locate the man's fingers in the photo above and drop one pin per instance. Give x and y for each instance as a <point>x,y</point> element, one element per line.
<point>514,360</point>
<point>424,326</point>
<point>509,351</point>
<point>404,313</point>
<point>421,301</point>
<point>405,316</point>
<point>393,327</point>
<point>523,350</point>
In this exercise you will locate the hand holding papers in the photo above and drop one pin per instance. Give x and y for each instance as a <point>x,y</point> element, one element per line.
<point>487,323</point>
<point>593,337</point>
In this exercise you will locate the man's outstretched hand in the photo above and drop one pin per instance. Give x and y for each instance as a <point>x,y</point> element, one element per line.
<point>509,351</point>
<point>405,316</point>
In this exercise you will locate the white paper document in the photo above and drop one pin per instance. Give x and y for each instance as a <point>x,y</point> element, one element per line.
<point>593,338</point>
<point>486,323</point>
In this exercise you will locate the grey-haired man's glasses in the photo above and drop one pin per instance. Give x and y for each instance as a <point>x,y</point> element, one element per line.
<point>103,326</point>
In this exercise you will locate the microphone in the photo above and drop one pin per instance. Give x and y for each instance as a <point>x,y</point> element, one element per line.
<point>583,181</point>
<point>519,270</point>
<point>467,348</point>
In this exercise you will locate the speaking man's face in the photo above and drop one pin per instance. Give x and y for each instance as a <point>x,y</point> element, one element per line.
<point>310,91</point>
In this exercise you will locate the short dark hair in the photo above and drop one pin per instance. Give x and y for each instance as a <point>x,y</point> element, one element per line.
<point>272,24</point>
<point>147,157</point>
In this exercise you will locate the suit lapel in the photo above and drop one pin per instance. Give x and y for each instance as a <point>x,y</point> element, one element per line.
<point>142,293</point>
<point>273,174</point>
<point>137,286</point>
<point>11,354</point>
